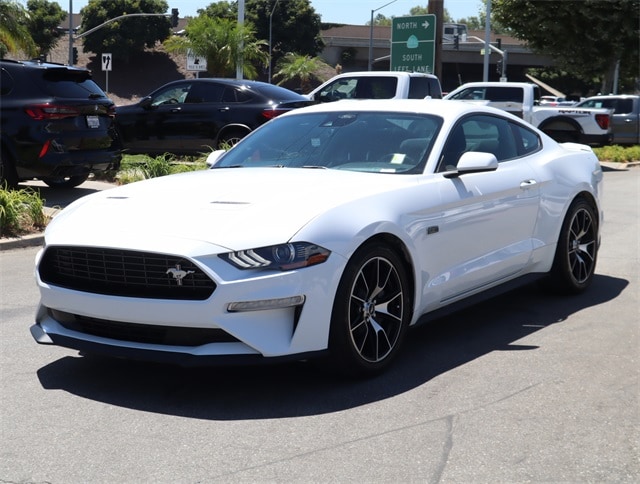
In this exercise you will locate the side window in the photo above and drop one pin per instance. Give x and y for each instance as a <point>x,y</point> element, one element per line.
<point>205,92</point>
<point>527,141</point>
<point>624,106</point>
<point>381,88</point>
<point>341,89</point>
<point>171,95</point>
<point>483,133</point>
<point>421,87</point>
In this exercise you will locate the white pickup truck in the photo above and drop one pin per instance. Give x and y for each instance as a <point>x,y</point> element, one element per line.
<point>562,123</point>
<point>378,85</point>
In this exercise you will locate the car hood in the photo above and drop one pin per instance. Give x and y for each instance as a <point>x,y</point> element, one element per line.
<point>233,208</point>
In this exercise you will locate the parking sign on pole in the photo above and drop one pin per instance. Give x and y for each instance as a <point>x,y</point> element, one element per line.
<point>107,65</point>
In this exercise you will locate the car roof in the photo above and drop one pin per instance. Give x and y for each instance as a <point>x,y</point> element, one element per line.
<point>421,106</point>
<point>37,64</point>
<point>225,80</point>
<point>382,74</point>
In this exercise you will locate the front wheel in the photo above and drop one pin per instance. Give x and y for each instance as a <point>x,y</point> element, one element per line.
<point>371,312</point>
<point>576,254</point>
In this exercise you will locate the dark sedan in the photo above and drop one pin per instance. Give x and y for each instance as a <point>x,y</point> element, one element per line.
<point>194,116</point>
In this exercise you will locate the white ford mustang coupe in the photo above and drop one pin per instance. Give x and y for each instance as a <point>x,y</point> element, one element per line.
<point>328,232</point>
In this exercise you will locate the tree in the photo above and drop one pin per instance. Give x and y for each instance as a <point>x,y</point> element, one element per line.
<point>126,36</point>
<point>419,10</point>
<point>286,33</point>
<point>381,20</point>
<point>14,33</point>
<point>301,67</point>
<point>472,23</point>
<point>588,38</point>
<point>224,43</point>
<point>44,19</point>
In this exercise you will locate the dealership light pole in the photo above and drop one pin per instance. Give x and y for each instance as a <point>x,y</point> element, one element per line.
<point>371,32</point>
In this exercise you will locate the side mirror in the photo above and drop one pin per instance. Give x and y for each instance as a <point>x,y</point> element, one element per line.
<point>145,102</point>
<point>214,157</point>
<point>474,162</point>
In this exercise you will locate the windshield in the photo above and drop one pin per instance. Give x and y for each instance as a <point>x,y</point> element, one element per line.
<point>377,142</point>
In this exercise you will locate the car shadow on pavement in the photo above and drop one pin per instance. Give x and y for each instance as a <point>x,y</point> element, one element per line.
<point>303,389</point>
<point>58,198</point>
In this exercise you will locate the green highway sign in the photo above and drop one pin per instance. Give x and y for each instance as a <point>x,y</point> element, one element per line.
<point>413,43</point>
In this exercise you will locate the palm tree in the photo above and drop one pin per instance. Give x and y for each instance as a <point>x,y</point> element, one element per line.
<point>297,66</point>
<point>14,35</point>
<point>224,43</point>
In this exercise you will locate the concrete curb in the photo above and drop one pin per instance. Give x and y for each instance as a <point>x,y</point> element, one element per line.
<point>33,240</point>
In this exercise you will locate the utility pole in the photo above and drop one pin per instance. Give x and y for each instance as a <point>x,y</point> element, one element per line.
<point>70,15</point>
<point>370,63</point>
<point>436,7</point>
<point>487,43</point>
<point>240,64</point>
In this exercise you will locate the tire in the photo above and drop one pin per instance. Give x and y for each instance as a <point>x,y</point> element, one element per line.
<point>230,138</point>
<point>562,132</point>
<point>574,263</point>
<point>8,177</point>
<point>65,182</point>
<point>371,312</point>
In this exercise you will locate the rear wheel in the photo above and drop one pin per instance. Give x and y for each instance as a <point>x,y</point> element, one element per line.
<point>562,132</point>
<point>576,254</point>
<point>65,181</point>
<point>371,312</point>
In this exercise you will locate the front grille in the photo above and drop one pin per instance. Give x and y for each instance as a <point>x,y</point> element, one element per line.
<point>142,333</point>
<point>125,273</point>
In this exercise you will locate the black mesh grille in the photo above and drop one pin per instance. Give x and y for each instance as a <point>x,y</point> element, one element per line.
<point>124,273</point>
<point>142,333</point>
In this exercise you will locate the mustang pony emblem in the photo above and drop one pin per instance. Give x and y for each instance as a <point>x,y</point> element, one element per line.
<point>178,273</point>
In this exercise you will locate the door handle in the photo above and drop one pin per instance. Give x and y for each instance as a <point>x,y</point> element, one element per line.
<point>527,184</point>
<point>176,110</point>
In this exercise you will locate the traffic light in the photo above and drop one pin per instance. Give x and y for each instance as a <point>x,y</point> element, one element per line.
<point>174,17</point>
<point>456,42</point>
<point>74,56</point>
<point>499,67</point>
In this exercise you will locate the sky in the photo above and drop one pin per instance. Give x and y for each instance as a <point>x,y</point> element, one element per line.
<point>355,12</point>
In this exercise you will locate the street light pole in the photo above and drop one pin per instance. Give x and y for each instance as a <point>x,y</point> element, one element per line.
<point>371,32</point>
<point>70,32</point>
<point>271,36</point>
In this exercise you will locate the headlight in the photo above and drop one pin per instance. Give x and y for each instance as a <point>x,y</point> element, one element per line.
<point>282,257</point>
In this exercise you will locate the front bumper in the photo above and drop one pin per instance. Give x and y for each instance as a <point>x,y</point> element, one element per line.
<point>163,330</point>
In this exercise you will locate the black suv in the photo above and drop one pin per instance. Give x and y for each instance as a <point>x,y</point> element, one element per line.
<point>57,124</point>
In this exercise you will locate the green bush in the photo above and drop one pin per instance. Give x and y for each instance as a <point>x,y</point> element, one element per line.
<point>618,154</point>
<point>21,211</point>
<point>141,167</point>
